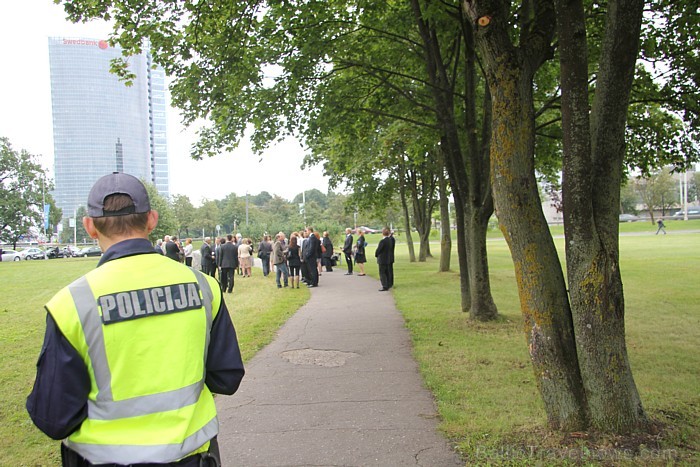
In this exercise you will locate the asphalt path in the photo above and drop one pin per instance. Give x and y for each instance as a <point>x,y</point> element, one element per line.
<point>337,387</point>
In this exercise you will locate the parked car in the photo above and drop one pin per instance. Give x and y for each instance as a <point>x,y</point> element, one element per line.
<point>55,252</point>
<point>70,250</point>
<point>90,251</point>
<point>10,255</point>
<point>32,253</point>
<point>628,218</point>
<point>693,213</point>
<point>369,230</point>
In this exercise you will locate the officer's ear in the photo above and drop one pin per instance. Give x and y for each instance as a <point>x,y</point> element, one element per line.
<point>152,220</point>
<point>89,225</point>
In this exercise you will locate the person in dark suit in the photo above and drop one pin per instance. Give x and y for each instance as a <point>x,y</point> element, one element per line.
<point>304,267</point>
<point>172,249</point>
<point>347,250</point>
<point>391,259</point>
<point>217,255</point>
<point>228,262</point>
<point>359,251</point>
<point>311,247</point>
<point>383,255</point>
<point>327,252</point>
<point>207,257</point>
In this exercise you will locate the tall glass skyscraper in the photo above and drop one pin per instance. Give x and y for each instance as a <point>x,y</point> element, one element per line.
<point>100,125</point>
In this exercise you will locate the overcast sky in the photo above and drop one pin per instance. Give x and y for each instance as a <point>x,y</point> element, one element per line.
<point>25,115</point>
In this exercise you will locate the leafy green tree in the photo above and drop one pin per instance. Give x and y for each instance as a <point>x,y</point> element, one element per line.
<point>656,137</point>
<point>77,234</point>
<point>21,201</point>
<point>670,51</point>
<point>167,223</point>
<point>694,187</point>
<point>282,211</point>
<point>657,191</point>
<point>208,217</point>
<point>313,195</point>
<point>183,213</point>
<point>261,199</point>
<point>628,198</point>
<point>338,211</point>
<point>55,213</point>
<point>232,211</point>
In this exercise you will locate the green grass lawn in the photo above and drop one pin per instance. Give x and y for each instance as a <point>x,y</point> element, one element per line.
<point>257,307</point>
<point>479,373</point>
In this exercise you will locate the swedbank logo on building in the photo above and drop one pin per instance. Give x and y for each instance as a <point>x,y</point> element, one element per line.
<point>89,42</point>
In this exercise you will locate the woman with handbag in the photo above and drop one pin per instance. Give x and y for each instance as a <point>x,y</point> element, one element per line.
<point>327,252</point>
<point>360,258</point>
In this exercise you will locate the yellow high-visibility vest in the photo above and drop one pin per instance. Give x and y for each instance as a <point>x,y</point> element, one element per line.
<point>142,325</point>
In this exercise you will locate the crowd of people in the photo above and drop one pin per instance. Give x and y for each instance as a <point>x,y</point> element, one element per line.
<point>301,258</point>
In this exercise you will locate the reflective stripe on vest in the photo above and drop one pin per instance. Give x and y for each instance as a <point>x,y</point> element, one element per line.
<point>123,454</point>
<point>105,407</point>
<point>194,402</point>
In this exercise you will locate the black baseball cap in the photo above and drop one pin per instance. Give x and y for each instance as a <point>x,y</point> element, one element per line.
<point>118,183</point>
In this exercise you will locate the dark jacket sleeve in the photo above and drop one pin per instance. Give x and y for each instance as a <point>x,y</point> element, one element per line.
<point>58,402</point>
<point>224,363</point>
<point>380,248</point>
<point>309,250</point>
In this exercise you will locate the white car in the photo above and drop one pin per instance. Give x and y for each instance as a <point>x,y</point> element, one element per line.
<point>32,253</point>
<point>693,213</point>
<point>10,255</point>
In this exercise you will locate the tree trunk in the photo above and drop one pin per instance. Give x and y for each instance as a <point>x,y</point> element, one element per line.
<point>541,286</point>
<point>593,161</point>
<point>446,236</point>
<point>462,255</point>
<point>424,239</point>
<point>422,210</point>
<point>407,223</point>
<point>480,202</point>
<point>483,308</point>
<point>543,299</point>
<point>467,201</point>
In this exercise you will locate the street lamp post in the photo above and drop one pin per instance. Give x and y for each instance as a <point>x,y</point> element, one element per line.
<point>303,201</point>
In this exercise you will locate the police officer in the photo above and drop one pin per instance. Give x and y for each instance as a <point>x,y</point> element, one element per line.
<point>135,348</point>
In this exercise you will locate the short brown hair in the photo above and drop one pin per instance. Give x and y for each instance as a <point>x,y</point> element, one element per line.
<point>120,225</point>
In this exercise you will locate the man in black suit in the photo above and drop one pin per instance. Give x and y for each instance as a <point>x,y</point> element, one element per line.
<point>347,250</point>
<point>172,250</point>
<point>228,262</point>
<point>207,257</point>
<point>391,259</point>
<point>383,254</point>
<point>310,252</point>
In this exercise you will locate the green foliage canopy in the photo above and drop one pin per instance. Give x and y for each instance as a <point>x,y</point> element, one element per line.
<point>23,185</point>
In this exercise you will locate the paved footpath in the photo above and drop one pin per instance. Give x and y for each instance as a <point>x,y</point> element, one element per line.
<point>337,387</point>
